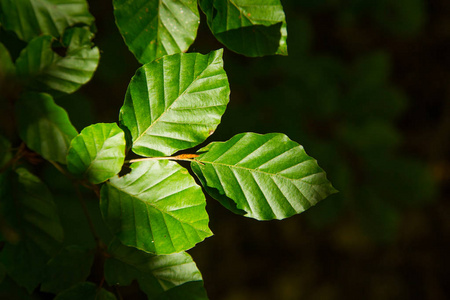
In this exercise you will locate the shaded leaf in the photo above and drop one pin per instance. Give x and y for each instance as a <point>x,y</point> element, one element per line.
<point>159,276</point>
<point>33,18</point>
<point>252,28</point>
<point>44,70</point>
<point>7,67</point>
<point>10,290</point>
<point>97,153</point>
<point>44,126</point>
<point>157,208</point>
<point>85,291</point>
<point>266,176</point>
<point>175,102</point>
<point>29,209</point>
<point>152,29</point>
<point>73,220</point>
<point>70,266</point>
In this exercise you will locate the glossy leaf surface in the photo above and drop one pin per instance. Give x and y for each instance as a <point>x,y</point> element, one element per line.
<point>159,276</point>
<point>97,153</point>
<point>35,230</point>
<point>249,27</point>
<point>85,291</point>
<point>42,69</point>
<point>44,126</point>
<point>157,208</point>
<point>175,102</point>
<point>262,176</point>
<point>152,29</point>
<point>70,266</point>
<point>33,18</point>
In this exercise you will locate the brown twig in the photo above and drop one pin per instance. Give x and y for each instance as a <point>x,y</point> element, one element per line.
<point>182,157</point>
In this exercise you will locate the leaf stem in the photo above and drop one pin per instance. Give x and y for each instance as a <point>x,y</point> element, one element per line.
<point>20,152</point>
<point>182,157</point>
<point>119,295</point>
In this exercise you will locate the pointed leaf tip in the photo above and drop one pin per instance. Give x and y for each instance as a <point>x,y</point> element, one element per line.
<point>262,176</point>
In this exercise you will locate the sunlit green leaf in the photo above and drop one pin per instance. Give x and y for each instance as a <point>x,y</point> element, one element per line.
<point>70,266</point>
<point>152,29</point>
<point>97,153</point>
<point>159,276</point>
<point>30,211</point>
<point>249,27</point>
<point>44,126</point>
<point>175,102</point>
<point>33,18</point>
<point>85,291</point>
<point>157,208</point>
<point>262,176</point>
<point>42,69</point>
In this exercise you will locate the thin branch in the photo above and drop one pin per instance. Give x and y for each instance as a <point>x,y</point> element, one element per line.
<point>20,152</point>
<point>182,157</point>
<point>84,183</point>
<point>119,295</point>
<point>61,169</point>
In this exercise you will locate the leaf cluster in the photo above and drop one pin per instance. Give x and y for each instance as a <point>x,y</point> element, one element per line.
<point>154,210</point>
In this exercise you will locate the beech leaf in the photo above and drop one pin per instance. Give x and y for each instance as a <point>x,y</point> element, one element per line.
<point>44,126</point>
<point>32,18</point>
<point>249,27</point>
<point>175,102</point>
<point>152,29</point>
<point>262,176</point>
<point>159,276</point>
<point>97,153</point>
<point>157,208</point>
<point>42,69</point>
<point>34,229</point>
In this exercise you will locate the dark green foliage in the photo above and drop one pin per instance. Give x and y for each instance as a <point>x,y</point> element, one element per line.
<point>65,196</point>
<point>174,102</point>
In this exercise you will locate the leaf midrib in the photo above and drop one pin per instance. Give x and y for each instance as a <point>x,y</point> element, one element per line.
<point>157,208</point>
<point>255,170</point>
<point>170,106</point>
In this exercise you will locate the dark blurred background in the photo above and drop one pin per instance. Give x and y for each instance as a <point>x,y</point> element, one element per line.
<point>365,89</point>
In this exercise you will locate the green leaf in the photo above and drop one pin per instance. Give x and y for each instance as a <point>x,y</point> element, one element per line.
<point>33,18</point>
<point>42,69</point>
<point>7,67</point>
<point>10,290</point>
<point>249,27</point>
<point>85,291</point>
<point>44,126</point>
<point>29,209</point>
<point>173,276</point>
<point>152,29</point>
<point>266,176</point>
<point>157,208</point>
<point>175,102</point>
<point>97,153</point>
<point>70,266</point>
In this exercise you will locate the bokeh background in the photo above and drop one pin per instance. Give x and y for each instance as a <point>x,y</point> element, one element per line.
<point>366,90</point>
